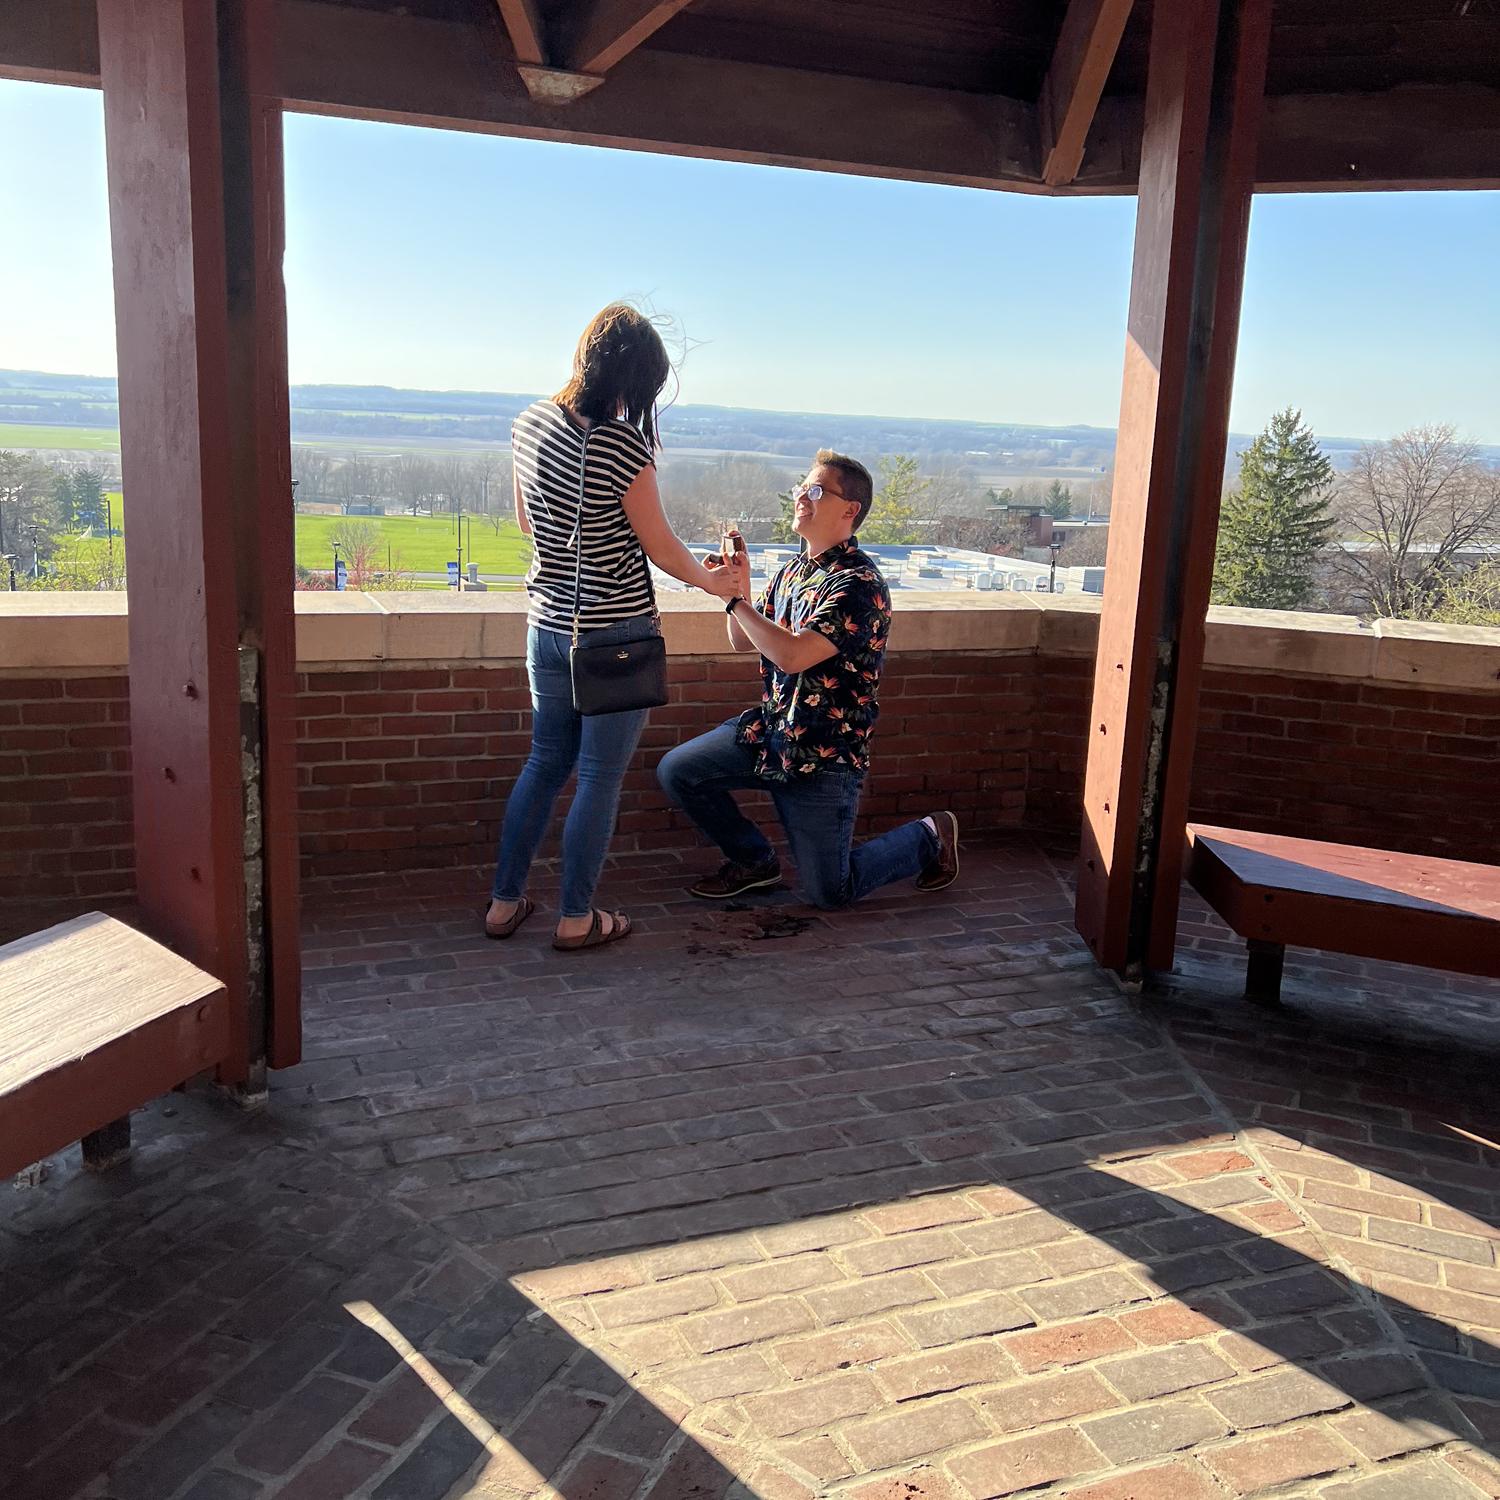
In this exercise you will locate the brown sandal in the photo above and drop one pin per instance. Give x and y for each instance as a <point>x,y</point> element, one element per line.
<point>596,937</point>
<point>524,908</point>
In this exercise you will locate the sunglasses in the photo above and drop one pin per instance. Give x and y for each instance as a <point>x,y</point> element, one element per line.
<point>814,492</point>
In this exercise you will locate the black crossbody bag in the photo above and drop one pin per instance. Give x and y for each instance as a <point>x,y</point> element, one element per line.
<point>623,675</point>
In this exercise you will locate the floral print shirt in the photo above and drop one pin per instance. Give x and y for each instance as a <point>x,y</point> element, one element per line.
<point>822,718</point>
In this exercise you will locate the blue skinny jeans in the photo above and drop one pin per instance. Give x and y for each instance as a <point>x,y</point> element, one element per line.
<point>600,745</point>
<point>817,812</point>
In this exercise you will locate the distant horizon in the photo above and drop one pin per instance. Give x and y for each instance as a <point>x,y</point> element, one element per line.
<point>1343,440</point>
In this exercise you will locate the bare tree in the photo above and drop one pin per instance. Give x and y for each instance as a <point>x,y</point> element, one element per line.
<point>412,480</point>
<point>350,480</point>
<point>997,533</point>
<point>456,483</point>
<point>1085,548</point>
<point>952,490</point>
<point>491,473</point>
<point>700,497</point>
<point>1409,509</point>
<point>360,546</point>
<point>311,469</point>
<point>380,483</point>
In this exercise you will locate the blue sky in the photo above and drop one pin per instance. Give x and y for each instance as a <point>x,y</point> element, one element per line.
<point>449,261</point>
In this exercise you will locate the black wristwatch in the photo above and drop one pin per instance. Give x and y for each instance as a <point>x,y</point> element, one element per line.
<point>729,608</point>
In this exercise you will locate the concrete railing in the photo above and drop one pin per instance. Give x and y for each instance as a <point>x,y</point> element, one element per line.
<point>59,632</point>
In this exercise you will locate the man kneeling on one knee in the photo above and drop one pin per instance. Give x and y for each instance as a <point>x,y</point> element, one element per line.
<point>821,630</point>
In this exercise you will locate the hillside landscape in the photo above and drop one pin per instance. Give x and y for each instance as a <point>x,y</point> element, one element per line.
<point>33,405</point>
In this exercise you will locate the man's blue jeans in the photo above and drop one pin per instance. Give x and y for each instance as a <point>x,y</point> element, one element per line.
<point>817,811</point>
<point>601,746</point>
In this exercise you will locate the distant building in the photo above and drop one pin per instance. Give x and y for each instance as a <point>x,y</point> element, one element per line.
<point>926,569</point>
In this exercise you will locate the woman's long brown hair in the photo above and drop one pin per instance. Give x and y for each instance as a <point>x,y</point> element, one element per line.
<point>619,369</point>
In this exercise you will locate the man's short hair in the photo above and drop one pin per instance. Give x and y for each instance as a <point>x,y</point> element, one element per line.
<point>854,480</point>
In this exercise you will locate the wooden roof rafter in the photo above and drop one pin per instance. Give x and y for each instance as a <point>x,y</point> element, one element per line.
<point>527,31</point>
<point>1086,46</point>
<point>561,63</point>
<point>608,30</point>
<point>546,84</point>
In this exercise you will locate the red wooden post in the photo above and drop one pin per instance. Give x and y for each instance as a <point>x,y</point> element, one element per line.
<point>193,150</point>
<point>1203,107</point>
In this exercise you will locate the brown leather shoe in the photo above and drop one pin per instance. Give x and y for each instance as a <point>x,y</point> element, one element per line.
<point>943,870</point>
<point>735,879</point>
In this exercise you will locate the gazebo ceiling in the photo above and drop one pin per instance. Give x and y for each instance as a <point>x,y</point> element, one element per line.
<point>1006,46</point>
<point>1029,95</point>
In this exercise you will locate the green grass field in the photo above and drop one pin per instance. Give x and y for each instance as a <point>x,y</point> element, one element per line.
<point>418,544</point>
<point>17,435</point>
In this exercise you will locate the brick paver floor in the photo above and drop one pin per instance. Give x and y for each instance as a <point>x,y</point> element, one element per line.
<point>907,1204</point>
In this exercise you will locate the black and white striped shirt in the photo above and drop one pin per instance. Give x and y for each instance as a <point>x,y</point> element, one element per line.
<point>548,448</point>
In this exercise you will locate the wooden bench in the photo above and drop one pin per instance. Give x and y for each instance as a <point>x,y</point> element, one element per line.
<point>1371,903</point>
<point>96,1020</point>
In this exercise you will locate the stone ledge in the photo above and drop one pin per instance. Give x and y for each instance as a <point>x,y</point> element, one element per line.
<point>48,633</point>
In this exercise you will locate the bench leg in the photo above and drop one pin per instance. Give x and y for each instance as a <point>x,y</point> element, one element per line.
<point>1263,974</point>
<point>107,1146</point>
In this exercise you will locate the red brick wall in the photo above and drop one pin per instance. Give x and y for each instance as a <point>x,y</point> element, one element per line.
<point>407,768</point>
<point>410,768</point>
<point>64,791</point>
<point>1352,762</point>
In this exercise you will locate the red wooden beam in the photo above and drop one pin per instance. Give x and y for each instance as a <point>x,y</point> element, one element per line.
<point>527,31</point>
<point>193,152</point>
<point>608,30</point>
<point>1085,52</point>
<point>1203,105</point>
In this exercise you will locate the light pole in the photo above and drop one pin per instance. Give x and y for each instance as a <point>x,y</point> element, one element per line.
<point>109,532</point>
<point>460,517</point>
<point>36,557</point>
<point>10,563</point>
<point>336,565</point>
<point>1054,546</point>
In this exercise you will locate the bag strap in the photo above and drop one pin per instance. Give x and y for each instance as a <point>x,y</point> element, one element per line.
<point>583,469</point>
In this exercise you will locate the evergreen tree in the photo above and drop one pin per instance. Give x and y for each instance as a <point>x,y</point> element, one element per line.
<point>892,520</point>
<point>29,499</point>
<point>1059,500</point>
<point>783,529</point>
<point>64,498</point>
<point>88,500</point>
<point>1273,527</point>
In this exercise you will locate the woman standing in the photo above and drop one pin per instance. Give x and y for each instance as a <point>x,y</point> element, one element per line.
<point>596,438</point>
